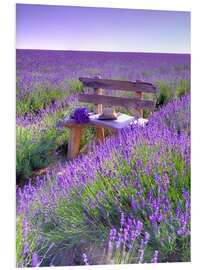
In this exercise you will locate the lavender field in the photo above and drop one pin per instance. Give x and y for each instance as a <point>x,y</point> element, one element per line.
<point>125,202</point>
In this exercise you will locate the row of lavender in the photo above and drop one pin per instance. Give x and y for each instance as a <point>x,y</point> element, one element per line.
<point>127,202</point>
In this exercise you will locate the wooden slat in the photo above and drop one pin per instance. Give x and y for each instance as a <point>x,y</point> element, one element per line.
<point>97,91</point>
<point>118,85</point>
<point>98,107</point>
<point>117,101</point>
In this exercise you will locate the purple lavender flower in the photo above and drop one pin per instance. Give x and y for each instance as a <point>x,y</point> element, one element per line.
<point>84,256</point>
<point>81,116</point>
<point>166,180</point>
<point>52,244</point>
<point>147,236</point>
<point>34,260</point>
<point>122,218</point>
<point>24,230</point>
<point>161,240</point>
<point>141,254</point>
<point>139,225</point>
<point>58,124</point>
<point>154,260</point>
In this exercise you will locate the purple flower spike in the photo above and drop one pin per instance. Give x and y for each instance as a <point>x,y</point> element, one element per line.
<point>122,218</point>
<point>154,260</point>
<point>147,236</point>
<point>84,256</point>
<point>34,260</point>
<point>141,254</point>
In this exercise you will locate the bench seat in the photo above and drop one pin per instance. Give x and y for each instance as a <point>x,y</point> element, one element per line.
<point>123,121</point>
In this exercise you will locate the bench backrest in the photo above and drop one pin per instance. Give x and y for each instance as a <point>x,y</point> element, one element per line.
<point>98,99</point>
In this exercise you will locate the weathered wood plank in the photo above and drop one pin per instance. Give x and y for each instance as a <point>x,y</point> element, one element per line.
<point>117,101</point>
<point>137,86</point>
<point>97,91</point>
<point>74,141</point>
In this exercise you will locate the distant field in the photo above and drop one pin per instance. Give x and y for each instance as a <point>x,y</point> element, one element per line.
<point>55,67</point>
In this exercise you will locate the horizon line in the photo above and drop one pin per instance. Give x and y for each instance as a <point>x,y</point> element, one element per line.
<point>101,51</point>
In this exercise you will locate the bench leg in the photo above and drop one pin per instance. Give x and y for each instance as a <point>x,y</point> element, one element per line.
<point>100,135</point>
<point>74,142</point>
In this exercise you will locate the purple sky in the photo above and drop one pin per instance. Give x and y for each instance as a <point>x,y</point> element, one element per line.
<point>101,29</point>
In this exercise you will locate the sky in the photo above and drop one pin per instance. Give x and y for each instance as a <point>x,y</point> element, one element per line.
<point>49,27</point>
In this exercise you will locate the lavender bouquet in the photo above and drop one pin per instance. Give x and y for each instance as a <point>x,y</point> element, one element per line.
<point>72,109</point>
<point>81,116</point>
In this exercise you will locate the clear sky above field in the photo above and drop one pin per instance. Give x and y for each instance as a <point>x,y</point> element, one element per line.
<point>101,29</point>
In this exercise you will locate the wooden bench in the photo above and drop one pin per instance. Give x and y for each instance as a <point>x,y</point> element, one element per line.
<point>98,100</point>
